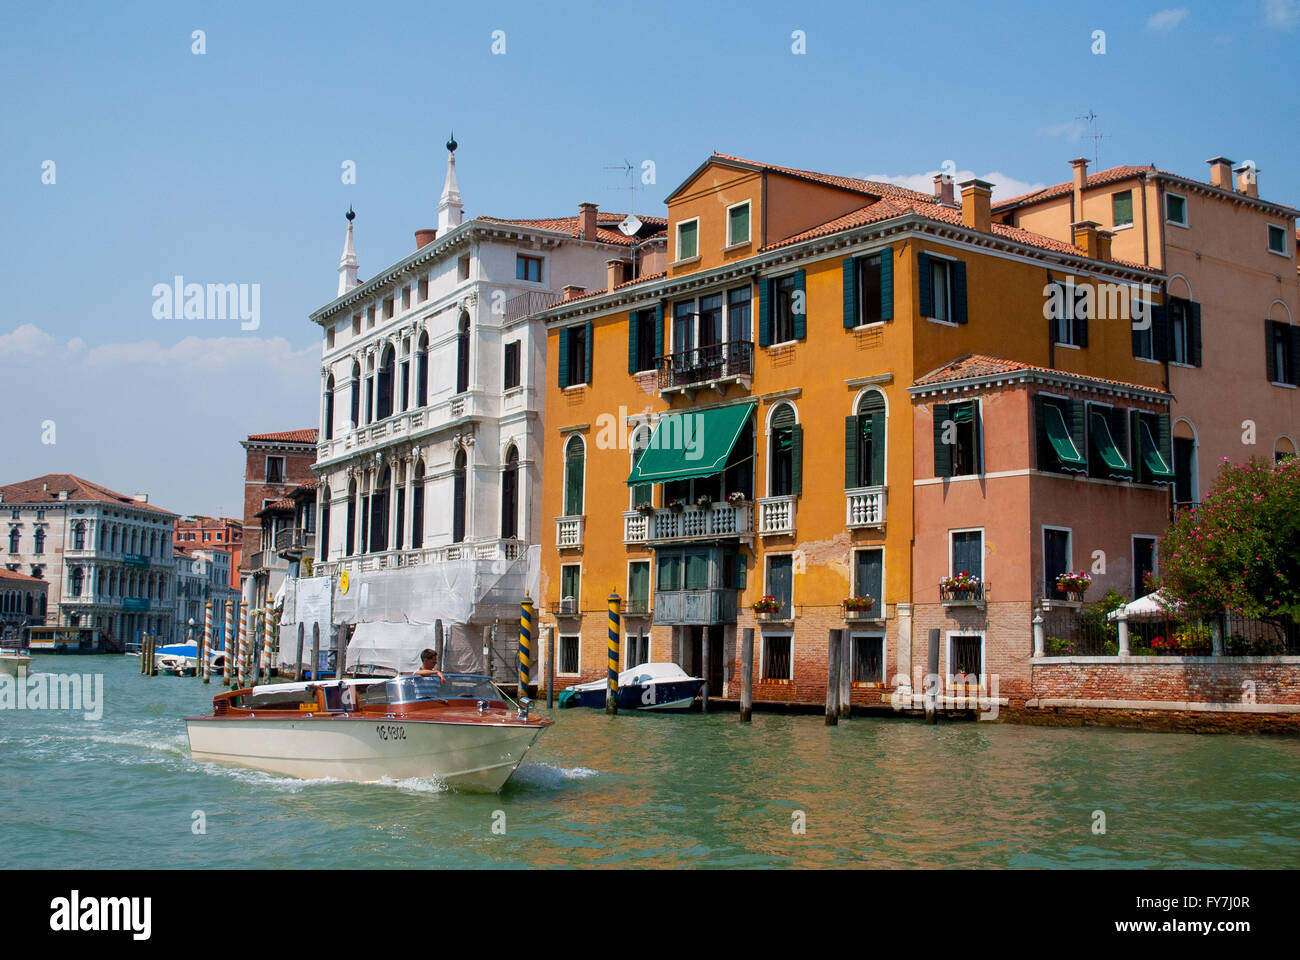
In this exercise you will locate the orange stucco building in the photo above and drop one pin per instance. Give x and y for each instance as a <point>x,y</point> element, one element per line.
<point>775,391</point>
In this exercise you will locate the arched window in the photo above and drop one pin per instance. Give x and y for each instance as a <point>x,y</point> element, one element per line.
<point>384,401</point>
<point>575,465</point>
<point>40,540</point>
<point>369,387</point>
<point>379,512</point>
<point>510,495</point>
<point>351,547</point>
<point>462,355</point>
<point>1186,487</point>
<point>1284,449</point>
<point>77,577</point>
<point>329,407</point>
<point>864,443</point>
<point>323,540</point>
<point>29,609</point>
<point>422,371</point>
<point>784,452</point>
<point>79,535</point>
<point>417,507</point>
<point>356,395</point>
<point>458,497</point>
<point>114,547</point>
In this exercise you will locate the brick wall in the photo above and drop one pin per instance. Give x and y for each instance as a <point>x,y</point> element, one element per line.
<point>1221,680</point>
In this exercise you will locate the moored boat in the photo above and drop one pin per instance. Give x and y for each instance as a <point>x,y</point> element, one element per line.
<point>458,730</point>
<point>14,660</point>
<point>177,659</point>
<point>650,686</point>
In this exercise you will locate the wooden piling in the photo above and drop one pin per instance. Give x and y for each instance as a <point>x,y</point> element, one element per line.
<point>833,678</point>
<point>747,675</point>
<point>297,657</point>
<point>550,667</point>
<point>241,643</point>
<point>341,651</point>
<point>704,668</point>
<point>611,658</point>
<point>315,652</point>
<point>525,649</point>
<point>440,644</point>
<point>932,678</point>
<point>267,641</point>
<point>227,643</point>
<point>846,675</point>
<point>205,654</point>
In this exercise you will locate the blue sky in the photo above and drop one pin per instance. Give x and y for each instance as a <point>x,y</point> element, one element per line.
<point>225,167</point>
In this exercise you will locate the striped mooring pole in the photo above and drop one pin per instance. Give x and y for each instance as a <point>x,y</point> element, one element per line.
<point>268,634</point>
<point>242,644</point>
<point>226,644</point>
<point>525,643</point>
<point>611,693</point>
<point>205,664</point>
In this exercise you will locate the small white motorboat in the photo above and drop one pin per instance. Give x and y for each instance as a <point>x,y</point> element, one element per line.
<point>13,660</point>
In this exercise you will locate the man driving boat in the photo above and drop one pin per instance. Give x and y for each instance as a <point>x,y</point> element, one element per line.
<point>429,665</point>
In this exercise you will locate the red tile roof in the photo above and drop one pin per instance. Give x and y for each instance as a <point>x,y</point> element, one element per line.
<point>287,436</point>
<point>975,365</point>
<point>14,575</point>
<point>46,489</point>
<point>604,221</point>
<point>1098,179</point>
<point>873,188</point>
<point>275,506</point>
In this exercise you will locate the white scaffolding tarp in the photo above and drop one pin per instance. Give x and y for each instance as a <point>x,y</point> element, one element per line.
<point>398,645</point>
<point>306,604</point>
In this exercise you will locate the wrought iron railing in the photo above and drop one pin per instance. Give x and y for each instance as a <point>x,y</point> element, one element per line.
<point>717,361</point>
<point>526,304</point>
<point>976,594</point>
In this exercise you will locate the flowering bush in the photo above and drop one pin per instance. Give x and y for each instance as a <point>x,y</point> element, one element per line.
<point>767,604</point>
<point>859,603</point>
<point>735,498</point>
<point>703,501</point>
<point>674,504</point>
<point>960,581</point>
<point>1073,582</point>
<point>645,507</point>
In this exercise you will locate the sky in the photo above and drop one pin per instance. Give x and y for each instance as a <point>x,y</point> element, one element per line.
<point>133,152</point>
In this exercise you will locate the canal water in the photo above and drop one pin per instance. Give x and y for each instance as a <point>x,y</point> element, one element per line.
<point>651,791</point>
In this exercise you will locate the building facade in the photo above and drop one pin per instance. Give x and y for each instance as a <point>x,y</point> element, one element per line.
<point>23,603</point>
<point>107,557</point>
<point>274,464</point>
<point>213,533</point>
<point>201,576</point>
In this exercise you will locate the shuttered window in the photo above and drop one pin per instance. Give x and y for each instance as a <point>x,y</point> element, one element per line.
<point>785,453</point>
<point>868,289</point>
<point>958,439</point>
<point>864,443</point>
<point>968,552</point>
<point>574,467</point>
<point>942,288</point>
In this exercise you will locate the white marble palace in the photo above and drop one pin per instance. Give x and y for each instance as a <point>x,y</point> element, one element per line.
<point>429,452</point>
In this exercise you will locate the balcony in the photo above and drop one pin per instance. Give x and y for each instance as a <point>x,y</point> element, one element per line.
<point>864,507</point>
<point>716,521</point>
<point>568,532</point>
<point>636,527</point>
<point>976,596</point>
<point>636,608</point>
<point>776,517</point>
<point>394,559</point>
<point>294,544</point>
<point>714,366</point>
<point>695,607</point>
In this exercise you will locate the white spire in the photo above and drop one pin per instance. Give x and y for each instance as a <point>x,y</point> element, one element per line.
<point>348,262</point>
<point>449,209</point>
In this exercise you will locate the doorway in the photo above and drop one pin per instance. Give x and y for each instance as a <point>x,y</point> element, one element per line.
<point>695,657</point>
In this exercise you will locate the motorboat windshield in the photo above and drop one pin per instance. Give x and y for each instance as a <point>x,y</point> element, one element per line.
<point>416,689</point>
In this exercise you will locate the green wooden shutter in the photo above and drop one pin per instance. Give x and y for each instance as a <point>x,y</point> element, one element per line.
<point>741,562</point>
<point>633,342</point>
<point>1077,413</point>
<point>1042,447</point>
<point>659,330</point>
<point>887,284</point>
<point>1194,334</point>
<point>957,273</point>
<point>1269,365</point>
<point>927,285</point>
<point>978,412</point>
<point>942,451</point>
<point>796,459</point>
<point>1136,336</point>
<point>564,358</point>
<point>574,463</point>
<point>1119,431</point>
<point>591,348</point>
<point>1164,437</point>
<point>850,293</point>
<point>1160,332</point>
<point>1135,431</point>
<point>801,298</point>
<point>877,477</point>
<point>850,452</point>
<point>765,312</point>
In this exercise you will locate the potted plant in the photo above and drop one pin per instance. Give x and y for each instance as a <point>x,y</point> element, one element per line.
<point>735,497</point>
<point>704,501</point>
<point>767,607</point>
<point>960,586</point>
<point>675,505</point>
<point>645,509</point>
<point>858,608</point>
<point>1074,584</point>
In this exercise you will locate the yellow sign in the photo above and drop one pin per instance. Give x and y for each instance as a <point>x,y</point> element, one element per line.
<point>343,581</point>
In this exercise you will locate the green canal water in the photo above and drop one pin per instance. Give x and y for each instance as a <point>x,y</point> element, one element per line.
<point>651,791</point>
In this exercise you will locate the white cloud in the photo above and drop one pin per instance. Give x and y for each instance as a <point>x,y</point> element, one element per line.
<point>1167,19</point>
<point>143,417</point>
<point>1072,130</point>
<point>1004,186</point>
<point>1282,14</point>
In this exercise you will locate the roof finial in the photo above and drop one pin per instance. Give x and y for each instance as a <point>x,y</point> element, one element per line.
<point>351,214</point>
<point>348,262</point>
<point>450,212</point>
<point>451,143</point>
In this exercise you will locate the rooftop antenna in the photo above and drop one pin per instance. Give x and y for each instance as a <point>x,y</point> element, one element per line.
<point>630,224</point>
<point>1094,136</point>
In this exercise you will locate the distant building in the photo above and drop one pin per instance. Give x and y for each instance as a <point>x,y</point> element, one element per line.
<point>22,602</point>
<point>201,575</point>
<point>216,533</point>
<point>275,463</point>
<point>107,557</point>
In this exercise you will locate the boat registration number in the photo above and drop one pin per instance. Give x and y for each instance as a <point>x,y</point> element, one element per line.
<point>390,732</point>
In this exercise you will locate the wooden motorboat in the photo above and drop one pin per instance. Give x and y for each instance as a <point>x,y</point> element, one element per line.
<point>458,730</point>
<point>649,686</point>
<point>13,661</point>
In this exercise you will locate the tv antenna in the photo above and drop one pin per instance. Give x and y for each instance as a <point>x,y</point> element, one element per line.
<point>1094,136</point>
<point>630,224</point>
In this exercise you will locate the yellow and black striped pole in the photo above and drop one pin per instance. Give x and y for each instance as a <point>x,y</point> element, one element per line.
<point>525,643</point>
<point>611,694</point>
<point>202,668</point>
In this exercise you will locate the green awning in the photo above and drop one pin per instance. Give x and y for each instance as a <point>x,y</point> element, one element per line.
<point>694,443</point>
<point>1104,443</point>
<point>1062,443</point>
<point>1156,467</point>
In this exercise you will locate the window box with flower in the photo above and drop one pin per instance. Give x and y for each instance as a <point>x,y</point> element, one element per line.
<point>963,588</point>
<point>860,608</point>
<point>768,609</point>
<point>1074,585</point>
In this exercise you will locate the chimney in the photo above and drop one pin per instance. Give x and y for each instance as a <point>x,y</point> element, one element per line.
<point>424,237</point>
<point>1080,165</point>
<point>1086,238</point>
<point>615,272</point>
<point>975,196</point>
<point>1247,180</point>
<point>943,190</point>
<point>587,221</point>
<point>1221,172</point>
<point>573,290</point>
<point>1104,238</point>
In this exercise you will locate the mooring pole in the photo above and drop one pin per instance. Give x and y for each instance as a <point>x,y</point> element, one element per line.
<point>704,668</point>
<point>341,634</point>
<point>611,691</point>
<point>203,667</point>
<point>440,644</point>
<point>241,644</point>
<point>747,675</point>
<point>833,678</point>
<point>932,678</point>
<point>525,643</point>
<point>227,644</point>
<point>267,637</point>
<point>297,657</point>
<point>550,667</point>
<point>846,675</point>
<point>315,652</point>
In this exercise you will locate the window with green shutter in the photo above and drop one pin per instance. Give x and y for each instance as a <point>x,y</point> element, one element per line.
<point>785,453</point>
<point>868,289</point>
<point>575,462</point>
<point>864,443</point>
<point>958,439</point>
<point>688,240</point>
<point>1121,208</point>
<point>738,224</point>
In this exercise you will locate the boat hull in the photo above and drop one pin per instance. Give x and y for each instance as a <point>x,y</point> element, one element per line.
<point>664,697</point>
<point>477,756</point>
<point>12,663</point>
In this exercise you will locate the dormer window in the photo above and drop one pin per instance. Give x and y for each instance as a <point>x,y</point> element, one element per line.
<point>738,224</point>
<point>688,239</point>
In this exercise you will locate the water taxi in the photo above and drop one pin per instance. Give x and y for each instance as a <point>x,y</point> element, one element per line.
<point>457,729</point>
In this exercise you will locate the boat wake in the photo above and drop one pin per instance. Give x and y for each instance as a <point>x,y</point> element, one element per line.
<point>549,775</point>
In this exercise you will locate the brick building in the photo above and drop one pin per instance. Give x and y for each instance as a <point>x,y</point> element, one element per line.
<point>213,533</point>
<point>274,464</point>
